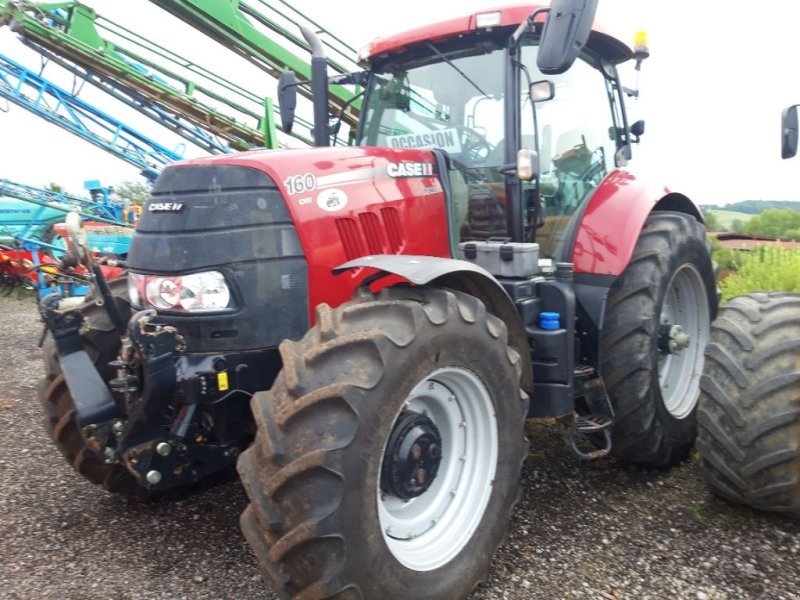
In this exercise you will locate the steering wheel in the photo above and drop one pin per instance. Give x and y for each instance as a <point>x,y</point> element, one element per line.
<point>474,145</point>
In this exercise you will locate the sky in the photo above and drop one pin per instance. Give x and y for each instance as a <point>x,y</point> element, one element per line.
<point>711,93</point>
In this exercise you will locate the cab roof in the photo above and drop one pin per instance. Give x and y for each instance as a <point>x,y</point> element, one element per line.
<point>606,45</point>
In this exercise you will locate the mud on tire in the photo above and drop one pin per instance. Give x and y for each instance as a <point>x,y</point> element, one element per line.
<point>317,518</point>
<point>669,280</point>
<point>749,411</point>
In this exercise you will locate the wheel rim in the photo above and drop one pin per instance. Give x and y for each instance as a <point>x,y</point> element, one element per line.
<point>428,531</point>
<point>679,369</point>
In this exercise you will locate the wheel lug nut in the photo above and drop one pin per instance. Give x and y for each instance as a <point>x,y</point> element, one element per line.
<point>416,451</point>
<point>163,449</point>
<point>153,477</point>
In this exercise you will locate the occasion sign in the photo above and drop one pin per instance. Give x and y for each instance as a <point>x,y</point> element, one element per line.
<point>446,139</point>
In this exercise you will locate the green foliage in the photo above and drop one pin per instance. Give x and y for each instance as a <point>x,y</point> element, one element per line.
<point>133,191</point>
<point>763,269</point>
<point>712,221</point>
<point>727,259</point>
<point>54,187</point>
<point>775,223</point>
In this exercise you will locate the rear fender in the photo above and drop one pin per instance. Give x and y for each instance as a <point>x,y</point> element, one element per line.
<point>458,275</point>
<point>609,227</point>
<point>605,238</point>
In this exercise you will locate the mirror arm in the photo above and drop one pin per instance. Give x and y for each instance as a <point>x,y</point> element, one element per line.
<point>630,93</point>
<point>526,25</point>
<point>337,126</point>
<point>355,78</point>
<point>508,168</point>
<point>108,299</point>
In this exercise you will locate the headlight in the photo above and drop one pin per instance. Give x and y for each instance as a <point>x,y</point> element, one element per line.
<point>198,292</point>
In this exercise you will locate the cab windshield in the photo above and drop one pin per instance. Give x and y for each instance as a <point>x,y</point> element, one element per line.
<point>454,104</point>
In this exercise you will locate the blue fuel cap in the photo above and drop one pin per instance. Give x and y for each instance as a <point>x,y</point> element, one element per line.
<point>550,321</point>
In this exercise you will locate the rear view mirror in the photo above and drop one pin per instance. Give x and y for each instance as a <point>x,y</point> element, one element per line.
<point>527,164</point>
<point>287,99</point>
<point>637,130</point>
<point>542,90</point>
<point>565,33</point>
<point>789,132</point>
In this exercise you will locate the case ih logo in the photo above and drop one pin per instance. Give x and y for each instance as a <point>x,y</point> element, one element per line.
<point>409,169</point>
<point>165,206</point>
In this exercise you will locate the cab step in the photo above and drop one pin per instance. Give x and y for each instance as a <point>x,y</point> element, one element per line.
<point>596,427</point>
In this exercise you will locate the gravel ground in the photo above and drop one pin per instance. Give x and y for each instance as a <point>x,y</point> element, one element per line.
<point>581,531</point>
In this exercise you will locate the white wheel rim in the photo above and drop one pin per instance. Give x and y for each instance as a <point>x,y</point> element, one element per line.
<point>427,532</point>
<point>685,304</point>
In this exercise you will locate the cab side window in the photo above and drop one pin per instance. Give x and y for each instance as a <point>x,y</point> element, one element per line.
<point>577,143</point>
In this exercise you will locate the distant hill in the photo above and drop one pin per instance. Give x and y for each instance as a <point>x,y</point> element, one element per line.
<point>754,207</point>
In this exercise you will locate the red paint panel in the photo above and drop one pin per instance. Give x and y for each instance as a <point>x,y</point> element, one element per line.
<point>346,211</point>
<point>612,222</point>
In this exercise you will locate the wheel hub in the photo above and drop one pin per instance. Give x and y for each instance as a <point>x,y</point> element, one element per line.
<point>412,457</point>
<point>673,339</point>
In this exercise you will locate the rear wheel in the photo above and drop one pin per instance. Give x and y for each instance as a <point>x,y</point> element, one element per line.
<point>749,411</point>
<point>389,450</point>
<point>656,327</point>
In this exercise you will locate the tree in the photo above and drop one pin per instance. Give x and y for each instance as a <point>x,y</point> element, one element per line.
<point>775,223</point>
<point>133,192</point>
<point>712,221</point>
<point>55,187</point>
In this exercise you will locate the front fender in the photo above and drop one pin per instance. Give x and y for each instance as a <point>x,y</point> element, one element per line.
<point>609,227</point>
<point>465,277</point>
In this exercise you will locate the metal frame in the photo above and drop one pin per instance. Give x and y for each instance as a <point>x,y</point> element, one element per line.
<point>45,99</point>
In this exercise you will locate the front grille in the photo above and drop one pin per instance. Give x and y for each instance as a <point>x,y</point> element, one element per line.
<point>234,220</point>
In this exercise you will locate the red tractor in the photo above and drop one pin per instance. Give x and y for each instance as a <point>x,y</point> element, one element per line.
<point>749,410</point>
<point>373,325</point>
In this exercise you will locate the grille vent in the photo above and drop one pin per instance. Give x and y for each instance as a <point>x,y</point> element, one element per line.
<point>368,235</point>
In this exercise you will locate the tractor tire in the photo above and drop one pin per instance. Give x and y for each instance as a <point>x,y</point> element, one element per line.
<point>749,413</point>
<point>102,343</point>
<point>651,370</point>
<point>389,450</point>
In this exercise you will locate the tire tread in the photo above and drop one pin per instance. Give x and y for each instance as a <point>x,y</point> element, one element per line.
<point>749,435</point>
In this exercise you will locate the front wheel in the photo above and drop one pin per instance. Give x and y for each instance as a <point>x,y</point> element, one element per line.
<point>656,327</point>
<point>389,450</point>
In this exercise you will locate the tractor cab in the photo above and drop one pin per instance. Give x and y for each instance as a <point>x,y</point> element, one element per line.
<point>473,88</point>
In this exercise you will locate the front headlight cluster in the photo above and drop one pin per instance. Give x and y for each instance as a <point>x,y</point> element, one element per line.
<point>198,292</point>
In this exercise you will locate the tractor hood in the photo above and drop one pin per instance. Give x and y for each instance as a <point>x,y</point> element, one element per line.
<point>320,206</point>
